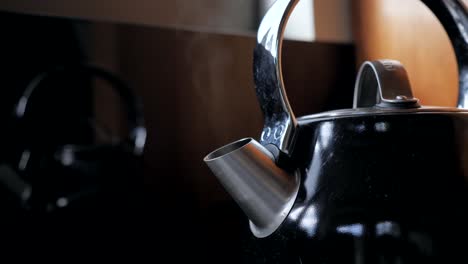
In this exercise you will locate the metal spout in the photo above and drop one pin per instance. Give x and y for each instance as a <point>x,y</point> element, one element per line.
<point>265,192</point>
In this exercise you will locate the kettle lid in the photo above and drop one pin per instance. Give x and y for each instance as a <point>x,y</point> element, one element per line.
<point>280,123</point>
<point>383,87</point>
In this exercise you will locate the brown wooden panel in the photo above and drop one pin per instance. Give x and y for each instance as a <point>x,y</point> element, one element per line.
<point>406,30</point>
<point>198,94</point>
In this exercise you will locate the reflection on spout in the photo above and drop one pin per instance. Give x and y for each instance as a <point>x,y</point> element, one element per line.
<point>265,192</point>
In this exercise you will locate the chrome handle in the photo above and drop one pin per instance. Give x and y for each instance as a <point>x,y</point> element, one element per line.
<point>453,14</point>
<point>280,122</point>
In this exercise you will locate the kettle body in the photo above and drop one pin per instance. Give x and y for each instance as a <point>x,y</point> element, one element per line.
<point>370,193</point>
<point>383,182</point>
<point>380,189</point>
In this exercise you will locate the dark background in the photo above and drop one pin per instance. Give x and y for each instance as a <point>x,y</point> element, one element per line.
<point>198,94</point>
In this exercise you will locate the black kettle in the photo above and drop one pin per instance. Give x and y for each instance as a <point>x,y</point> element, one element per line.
<point>53,172</point>
<point>383,182</point>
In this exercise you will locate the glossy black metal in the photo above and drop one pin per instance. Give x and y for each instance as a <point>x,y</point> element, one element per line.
<point>377,186</point>
<point>453,15</point>
<point>377,189</point>
<point>384,182</point>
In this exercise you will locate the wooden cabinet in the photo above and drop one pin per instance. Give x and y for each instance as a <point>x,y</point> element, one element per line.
<point>407,31</point>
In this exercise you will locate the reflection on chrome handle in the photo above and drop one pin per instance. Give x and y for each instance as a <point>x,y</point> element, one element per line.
<point>280,122</point>
<point>453,15</point>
